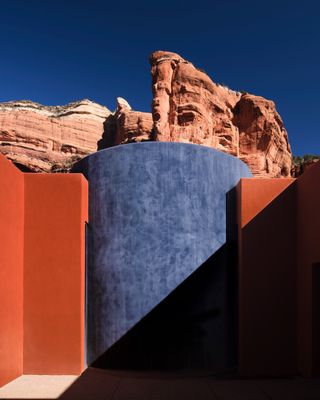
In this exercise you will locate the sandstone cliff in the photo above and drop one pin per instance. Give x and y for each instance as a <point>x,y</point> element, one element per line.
<point>45,139</point>
<point>131,126</point>
<point>263,140</point>
<point>187,107</point>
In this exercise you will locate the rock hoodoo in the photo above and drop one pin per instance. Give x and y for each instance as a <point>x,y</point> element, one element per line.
<point>131,126</point>
<point>187,107</point>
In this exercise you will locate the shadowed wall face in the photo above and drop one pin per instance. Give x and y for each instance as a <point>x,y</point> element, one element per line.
<point>267,277</point>
<point>157,211</point>
<point>308,275</point>
<point>191,329</point>
<point>54,263</point>
<point>11,271</point>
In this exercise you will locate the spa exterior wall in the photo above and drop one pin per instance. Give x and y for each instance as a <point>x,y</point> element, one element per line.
<point>11,271</point>
<point>42,262</point>
<point>157,212</point>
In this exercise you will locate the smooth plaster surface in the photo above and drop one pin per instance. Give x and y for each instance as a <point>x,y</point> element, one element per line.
<point>42,272</point>
<point>157,211</point>
<point>267,210</point>
<point>54,271</point>
<point>11,270</point>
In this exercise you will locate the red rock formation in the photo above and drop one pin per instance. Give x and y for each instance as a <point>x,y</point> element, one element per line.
<point>132,126</point>
<point>189,107</point>
<point>263,140</point>
<point>44,139</point>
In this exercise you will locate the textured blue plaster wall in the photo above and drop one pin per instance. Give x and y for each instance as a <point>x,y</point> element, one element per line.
<point>157,211</point>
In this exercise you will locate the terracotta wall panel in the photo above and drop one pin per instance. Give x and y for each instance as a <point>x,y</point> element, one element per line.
<point>11,270</point>
<point>55,214</point>
<point>258,194</point>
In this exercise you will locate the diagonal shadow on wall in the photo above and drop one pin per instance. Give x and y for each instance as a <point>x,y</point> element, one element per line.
<point>191,329</point>
<point>267,282</point>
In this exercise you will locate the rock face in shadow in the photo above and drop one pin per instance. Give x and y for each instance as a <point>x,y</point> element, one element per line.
<point>187,107</point>
<point>47,139</point>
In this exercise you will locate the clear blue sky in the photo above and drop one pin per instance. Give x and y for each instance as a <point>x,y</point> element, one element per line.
<point>54,52</point>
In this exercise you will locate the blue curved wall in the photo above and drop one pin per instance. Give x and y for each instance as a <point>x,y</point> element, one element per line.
<point>157,211</point>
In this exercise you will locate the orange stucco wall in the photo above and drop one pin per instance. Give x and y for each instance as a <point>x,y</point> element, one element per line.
<point>308,256</point>
<point>11,270</point>
<point>42,272</point>
<point>257,194</point>
<point>42,262</point>
<point>267,276</point>
<point>55,215</point>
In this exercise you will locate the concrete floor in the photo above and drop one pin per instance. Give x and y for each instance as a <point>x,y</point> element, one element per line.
<point>37,387</point>
<point>96,384</point>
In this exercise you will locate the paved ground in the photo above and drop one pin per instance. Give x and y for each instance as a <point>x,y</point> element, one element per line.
<point>95,384</point>
<point>37,387</point>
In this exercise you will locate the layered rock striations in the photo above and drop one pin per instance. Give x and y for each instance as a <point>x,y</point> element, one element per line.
<point>46,139</point>
<point>263,140</point>
<point>187,107</point>
<point>131,126</point>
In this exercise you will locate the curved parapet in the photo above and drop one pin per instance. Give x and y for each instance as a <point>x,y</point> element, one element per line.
<point>157,211</point>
